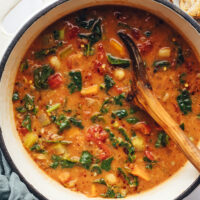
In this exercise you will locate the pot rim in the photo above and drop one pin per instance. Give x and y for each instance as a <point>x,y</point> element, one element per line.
<point>7,53</point>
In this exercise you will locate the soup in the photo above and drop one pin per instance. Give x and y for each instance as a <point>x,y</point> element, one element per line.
<point>74,106</point>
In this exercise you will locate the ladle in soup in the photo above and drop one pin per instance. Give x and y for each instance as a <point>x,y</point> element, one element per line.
<point>150,103</point>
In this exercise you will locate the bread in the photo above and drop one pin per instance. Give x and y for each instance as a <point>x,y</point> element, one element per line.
<point>192,7</point>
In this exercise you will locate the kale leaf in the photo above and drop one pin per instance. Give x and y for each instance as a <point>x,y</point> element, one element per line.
<point>109,83</point>
<point>100,181</point>
<point>63,123</point>
<point>29,102</point>
<point>24,66</point>
<point>162,140</point>
<point>76,81</point>
<point>93,37</point>
<point>124,63</point>
<point>118,99</point>
<point>184,102</point>
<point>97,118</point>
<point>106,164</point>
<point>114,141</point>
<point>122,113</point>
<point>41,75</point>
<point>149,163</point>
<point>64,163</point>
<point>86,159</point>
<point>15,96</point>
<point>83,23</point>
<point>37,148</point>
<point>132,120</point>
<point>76,122</point>
<point>104,107</point>
<point>131,180</point>
<point>96,168</point>
<point>26,123</point>
<point>159,64</point>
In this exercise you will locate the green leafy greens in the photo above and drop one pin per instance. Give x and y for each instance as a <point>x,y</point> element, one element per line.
<point>93,37</point>
<point>64,163</point>
<point>115,61</point>
<point>76,122</point>
<point>159,64</point>
<point>184,102</point>
<point>131,180</point>
<point>41,75</point>
<point>109,83</point>
<point>122,113</point>
<point>76,81</point>
<point>26,123</point>
<point>15,96</point>
<point>132,120</point>
<point>149,163</point>
<point>63,123</point>
<point>106,164</point>
<point>119,99</point>
<point>162,140</point>
<point>86,159</point>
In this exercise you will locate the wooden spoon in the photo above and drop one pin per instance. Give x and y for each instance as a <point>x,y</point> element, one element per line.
<point>150,103</point>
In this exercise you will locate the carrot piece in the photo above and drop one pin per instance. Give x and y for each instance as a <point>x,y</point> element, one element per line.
<point>141,172</point>
<point>118,46</point>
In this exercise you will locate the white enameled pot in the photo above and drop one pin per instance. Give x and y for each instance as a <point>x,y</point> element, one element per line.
<point>176,187</point>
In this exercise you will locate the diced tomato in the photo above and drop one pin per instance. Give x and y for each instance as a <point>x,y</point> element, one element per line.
<point>99,63</point>
<point>135,32</point>
<point>98,67</point>
<point>23,130</point>
<point>105,151</point>
<point>55,80</point>
<point>149,155</point>
<point>72,30</point>
<point>96,134</point>
<point>101,53</point>
<point>119,90</point>
<point>145,47</point>
<point>142,127</point>
<point>100,47</point>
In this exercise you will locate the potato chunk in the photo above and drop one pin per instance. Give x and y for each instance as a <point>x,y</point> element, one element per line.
<point>138,143</point>
<point>55,62</point>
<point>64,177</point>
<point>119,74</point>
<point>58,149</point>
<point>164,52</point>
<point>90,90</point>
<point>111,179</point>
<point>30,139</point>
<point>93,190</point>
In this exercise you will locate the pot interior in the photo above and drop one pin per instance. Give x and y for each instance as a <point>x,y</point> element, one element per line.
<point>36,177</point>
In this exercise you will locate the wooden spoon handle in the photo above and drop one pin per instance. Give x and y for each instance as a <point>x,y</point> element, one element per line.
<point>160,115</point>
